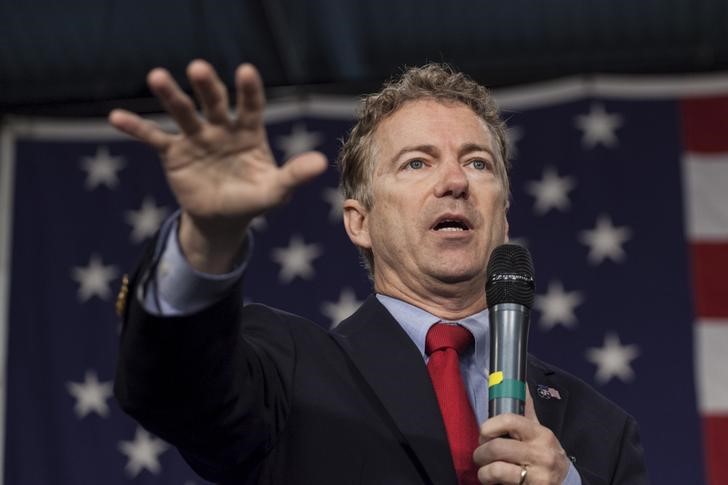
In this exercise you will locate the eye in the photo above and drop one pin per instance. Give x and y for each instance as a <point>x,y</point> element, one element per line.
<point>480,164</point>
<point>415,164</point>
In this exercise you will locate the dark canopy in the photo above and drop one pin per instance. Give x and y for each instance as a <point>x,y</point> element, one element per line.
<point>56,53</point>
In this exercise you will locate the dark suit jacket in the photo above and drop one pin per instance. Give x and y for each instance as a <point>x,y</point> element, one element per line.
<point>256,395</point>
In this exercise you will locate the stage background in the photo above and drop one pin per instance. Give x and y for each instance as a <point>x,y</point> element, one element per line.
<point>619,191</point>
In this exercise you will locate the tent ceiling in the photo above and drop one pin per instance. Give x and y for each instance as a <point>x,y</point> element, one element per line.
<point>61,53</point>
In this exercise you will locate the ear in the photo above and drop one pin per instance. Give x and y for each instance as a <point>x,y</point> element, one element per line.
<point>356,223</point>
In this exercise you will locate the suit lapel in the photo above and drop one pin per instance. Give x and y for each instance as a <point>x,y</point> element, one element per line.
<point>393,368</point>
<point>395,371</point>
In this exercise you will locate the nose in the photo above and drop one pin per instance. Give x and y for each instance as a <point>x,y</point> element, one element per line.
<point>452,181</point>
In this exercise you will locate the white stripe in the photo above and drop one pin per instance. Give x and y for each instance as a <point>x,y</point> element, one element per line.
<point>657,86</point>
<point>705,179</point>
<point>96,129</point>
<point>618,87</point>
<point>711,342</point>
<point>93,129</point>
<point>328,107</point>
<point>7,178</point>
<point>542,94</point>
<point>344,107</point>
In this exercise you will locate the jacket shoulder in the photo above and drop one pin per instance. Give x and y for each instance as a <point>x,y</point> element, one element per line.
<point>600,437</point>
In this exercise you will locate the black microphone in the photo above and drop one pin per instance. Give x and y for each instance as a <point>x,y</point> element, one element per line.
<point>509,291</point>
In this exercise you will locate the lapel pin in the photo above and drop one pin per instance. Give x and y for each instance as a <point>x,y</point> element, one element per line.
<point>546,392</point>
<point>121,298</point>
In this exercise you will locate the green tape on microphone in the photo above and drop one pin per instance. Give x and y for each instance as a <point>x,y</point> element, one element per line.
<point>499,387</point>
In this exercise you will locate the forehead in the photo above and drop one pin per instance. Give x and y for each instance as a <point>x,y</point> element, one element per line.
<point>444,124</point>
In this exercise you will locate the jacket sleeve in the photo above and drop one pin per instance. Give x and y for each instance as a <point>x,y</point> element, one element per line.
<point>629,468</point>
<point>216,384</point>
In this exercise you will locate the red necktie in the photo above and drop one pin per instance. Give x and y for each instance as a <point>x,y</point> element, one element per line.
<point>444,344</point>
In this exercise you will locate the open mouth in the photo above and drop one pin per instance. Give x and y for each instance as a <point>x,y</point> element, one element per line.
<point>451,225</point>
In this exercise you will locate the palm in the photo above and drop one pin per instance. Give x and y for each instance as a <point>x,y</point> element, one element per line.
<point>223,172</point>
<point>220,168</point>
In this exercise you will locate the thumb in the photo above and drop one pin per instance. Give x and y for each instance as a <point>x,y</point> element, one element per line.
<point>302,168</point>
<point>530,409</point>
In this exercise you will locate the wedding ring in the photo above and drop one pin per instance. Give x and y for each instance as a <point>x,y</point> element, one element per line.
<point>524,473</point>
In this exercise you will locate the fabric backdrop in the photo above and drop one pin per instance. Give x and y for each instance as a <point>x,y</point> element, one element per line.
<point>619,191</point>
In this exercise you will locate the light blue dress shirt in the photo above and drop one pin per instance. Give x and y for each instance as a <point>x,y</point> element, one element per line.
<point>473,365</point>
<point>178,289</point>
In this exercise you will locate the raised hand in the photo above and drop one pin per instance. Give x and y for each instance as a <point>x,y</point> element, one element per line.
<point>220,167</point>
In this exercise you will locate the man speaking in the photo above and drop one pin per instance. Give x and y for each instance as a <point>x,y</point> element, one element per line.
<point>398,392</point>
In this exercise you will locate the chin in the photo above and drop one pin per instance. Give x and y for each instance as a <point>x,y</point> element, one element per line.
<point>453,279</point>
<point>453,275</point>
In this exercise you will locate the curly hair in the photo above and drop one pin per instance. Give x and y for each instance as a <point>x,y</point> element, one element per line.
<point>436,81</point>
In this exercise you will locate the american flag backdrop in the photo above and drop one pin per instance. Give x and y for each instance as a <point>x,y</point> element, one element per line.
<point>620,191</point>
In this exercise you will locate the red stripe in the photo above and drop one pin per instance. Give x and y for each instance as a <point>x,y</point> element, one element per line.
<point>710,267</point>
<point>705,122</point>
<point>715,430</point>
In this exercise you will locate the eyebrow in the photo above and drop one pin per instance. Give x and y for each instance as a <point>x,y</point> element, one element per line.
<point>432,150</point>
<point>429,149</point>
<point>474,147</point>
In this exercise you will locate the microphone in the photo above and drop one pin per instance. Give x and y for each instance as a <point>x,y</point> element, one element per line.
<point>509,290</point>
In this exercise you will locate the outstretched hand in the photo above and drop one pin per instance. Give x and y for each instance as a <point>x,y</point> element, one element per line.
<point>219,167</point>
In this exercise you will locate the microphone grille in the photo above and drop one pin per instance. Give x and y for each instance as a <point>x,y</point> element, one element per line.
<point>510,276</point>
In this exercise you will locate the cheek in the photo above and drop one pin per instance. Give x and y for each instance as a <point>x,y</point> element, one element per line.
<point>382,226</point>
<point>500,230</point>
<point>498,227</point>
<point>394,234</point>
<point>387,211</point>
<point>397,217</point>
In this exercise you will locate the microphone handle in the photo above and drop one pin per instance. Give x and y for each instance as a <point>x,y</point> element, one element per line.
<point>508,351</point>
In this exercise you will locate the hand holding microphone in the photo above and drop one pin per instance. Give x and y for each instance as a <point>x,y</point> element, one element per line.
<point>514,447</point>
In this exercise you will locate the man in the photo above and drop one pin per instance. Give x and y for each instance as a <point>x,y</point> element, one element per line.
<point>255,395</point>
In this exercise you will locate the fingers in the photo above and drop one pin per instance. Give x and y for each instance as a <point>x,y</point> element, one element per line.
<point>529,443</point>
<point>301,169</point>
<point>502,449</point>
<point>174,100</point>
<point>212,95</point>
<point>210,91</point>
<point>513,425</point>
<point>502,473</point>
<point>139,128</point>
<point>250,97</point>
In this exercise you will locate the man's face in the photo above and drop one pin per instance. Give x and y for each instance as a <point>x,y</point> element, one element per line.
<point>439,203</point>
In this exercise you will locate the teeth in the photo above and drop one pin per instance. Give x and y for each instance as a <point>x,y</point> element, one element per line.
<point>451,229</point>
